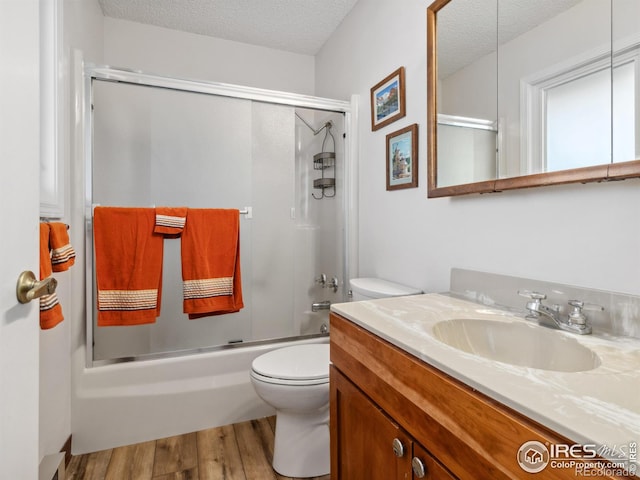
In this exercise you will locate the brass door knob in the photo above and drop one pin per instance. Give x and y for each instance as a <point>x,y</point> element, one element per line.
<point>29,287</point>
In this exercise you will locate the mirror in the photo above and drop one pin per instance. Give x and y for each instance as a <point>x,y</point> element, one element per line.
<point>625,35</point>
<point>524,94</point>
<point>467,92</point>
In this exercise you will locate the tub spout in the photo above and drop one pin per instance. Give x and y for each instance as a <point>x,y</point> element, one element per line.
<point>316,307</point>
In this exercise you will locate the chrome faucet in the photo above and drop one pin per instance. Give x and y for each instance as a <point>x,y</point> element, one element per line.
<point>575,321</point>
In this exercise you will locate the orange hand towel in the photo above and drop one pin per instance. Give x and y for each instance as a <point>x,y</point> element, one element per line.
<point>211,262</point>
<point>170,220</point>
<point>128,265</point>
<point>50,309</point>
<point>63,255</point>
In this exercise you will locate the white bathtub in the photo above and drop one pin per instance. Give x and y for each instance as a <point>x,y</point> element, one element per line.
<point>127,403</point>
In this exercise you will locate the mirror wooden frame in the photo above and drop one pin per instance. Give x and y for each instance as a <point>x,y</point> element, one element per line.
<point>598,173</point>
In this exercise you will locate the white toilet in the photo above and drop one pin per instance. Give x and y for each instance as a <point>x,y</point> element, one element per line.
<point>295,381</point>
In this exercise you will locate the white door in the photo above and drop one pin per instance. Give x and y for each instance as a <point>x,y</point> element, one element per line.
<point>19,211</point>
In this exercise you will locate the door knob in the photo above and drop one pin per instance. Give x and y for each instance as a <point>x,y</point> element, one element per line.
<point>29,287</point>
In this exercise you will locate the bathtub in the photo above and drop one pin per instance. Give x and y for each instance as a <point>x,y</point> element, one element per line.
<point>126,403</point>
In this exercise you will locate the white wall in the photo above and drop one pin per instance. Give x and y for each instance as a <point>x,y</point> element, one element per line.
<point>186,55</point>
<point>586,235</point>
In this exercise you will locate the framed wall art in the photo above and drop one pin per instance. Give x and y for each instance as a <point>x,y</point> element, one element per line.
<point>402,158</point>
<point>388,100</point>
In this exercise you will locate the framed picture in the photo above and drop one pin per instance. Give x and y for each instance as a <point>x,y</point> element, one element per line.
<point>387,100</point>
<point>402,158</point>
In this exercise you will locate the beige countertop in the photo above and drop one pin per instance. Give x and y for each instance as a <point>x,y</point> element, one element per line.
<point>599,406</point>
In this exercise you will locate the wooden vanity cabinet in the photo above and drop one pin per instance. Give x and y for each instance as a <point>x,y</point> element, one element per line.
<point>371,445</point>
<point>380,393</point>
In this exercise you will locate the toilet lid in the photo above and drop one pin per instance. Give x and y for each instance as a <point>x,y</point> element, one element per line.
<point>300,362</point>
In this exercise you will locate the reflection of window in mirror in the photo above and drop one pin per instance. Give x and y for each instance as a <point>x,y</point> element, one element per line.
<point>574,112</point>
<point>626,114</point>
<point>568,113</point>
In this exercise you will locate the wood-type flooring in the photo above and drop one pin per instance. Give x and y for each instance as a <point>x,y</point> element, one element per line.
<point>242,451</point>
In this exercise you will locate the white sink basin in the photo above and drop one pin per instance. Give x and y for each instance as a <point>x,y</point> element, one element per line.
<point>517,343</point>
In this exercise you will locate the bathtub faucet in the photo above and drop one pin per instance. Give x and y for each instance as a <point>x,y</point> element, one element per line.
<point>316,307</point>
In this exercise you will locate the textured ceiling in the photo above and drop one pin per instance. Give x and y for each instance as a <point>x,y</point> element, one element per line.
<point>300,26</point>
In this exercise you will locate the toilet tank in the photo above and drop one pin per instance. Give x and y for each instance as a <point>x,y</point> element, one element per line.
<point>371,288</point>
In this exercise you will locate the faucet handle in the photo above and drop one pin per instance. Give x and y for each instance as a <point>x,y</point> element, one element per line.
<point>333,284</point>
<point>537,296</point>
<point>576,316</point>
<point>580,305</point>
<point>535,304</point>
<point>321,280</point>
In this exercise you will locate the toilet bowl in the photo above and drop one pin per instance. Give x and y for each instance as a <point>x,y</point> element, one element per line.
<point>295,381</point>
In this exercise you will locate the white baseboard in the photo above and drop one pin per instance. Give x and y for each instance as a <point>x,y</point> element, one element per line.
<point>52,467</point>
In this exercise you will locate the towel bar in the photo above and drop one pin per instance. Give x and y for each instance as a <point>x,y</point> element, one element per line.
<point>248,211</point>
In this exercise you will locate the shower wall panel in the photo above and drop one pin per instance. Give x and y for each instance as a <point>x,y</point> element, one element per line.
<point>319,223</point>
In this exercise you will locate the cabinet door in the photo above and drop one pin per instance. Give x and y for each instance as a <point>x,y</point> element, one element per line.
<point>365,443</point>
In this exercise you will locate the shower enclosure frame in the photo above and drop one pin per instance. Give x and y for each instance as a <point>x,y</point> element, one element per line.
<point>93,72</point>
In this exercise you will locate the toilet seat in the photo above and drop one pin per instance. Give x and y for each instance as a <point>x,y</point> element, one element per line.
<point>290,383</point>
<point>297,365</point>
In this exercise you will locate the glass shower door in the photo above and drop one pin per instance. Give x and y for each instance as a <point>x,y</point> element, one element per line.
<point>163,147</point>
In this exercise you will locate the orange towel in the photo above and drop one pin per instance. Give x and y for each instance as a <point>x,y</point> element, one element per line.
<point>128,265</point>
<point>50,309</point>
<point>63,255</point>
<point>170,220</point>
<point>211,262</point>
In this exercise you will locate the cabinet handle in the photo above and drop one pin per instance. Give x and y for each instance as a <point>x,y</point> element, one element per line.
<point>398,448</point>
<point>419,470</point>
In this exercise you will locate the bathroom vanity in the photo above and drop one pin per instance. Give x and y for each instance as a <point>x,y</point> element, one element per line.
<point>405,404</point>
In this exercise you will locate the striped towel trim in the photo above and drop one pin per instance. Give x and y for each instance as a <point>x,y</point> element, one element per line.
<point>62,254</point>
<point>47,302</point>
<point>210,287</point>
<point>170,221</point>
<point>127,299</point>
